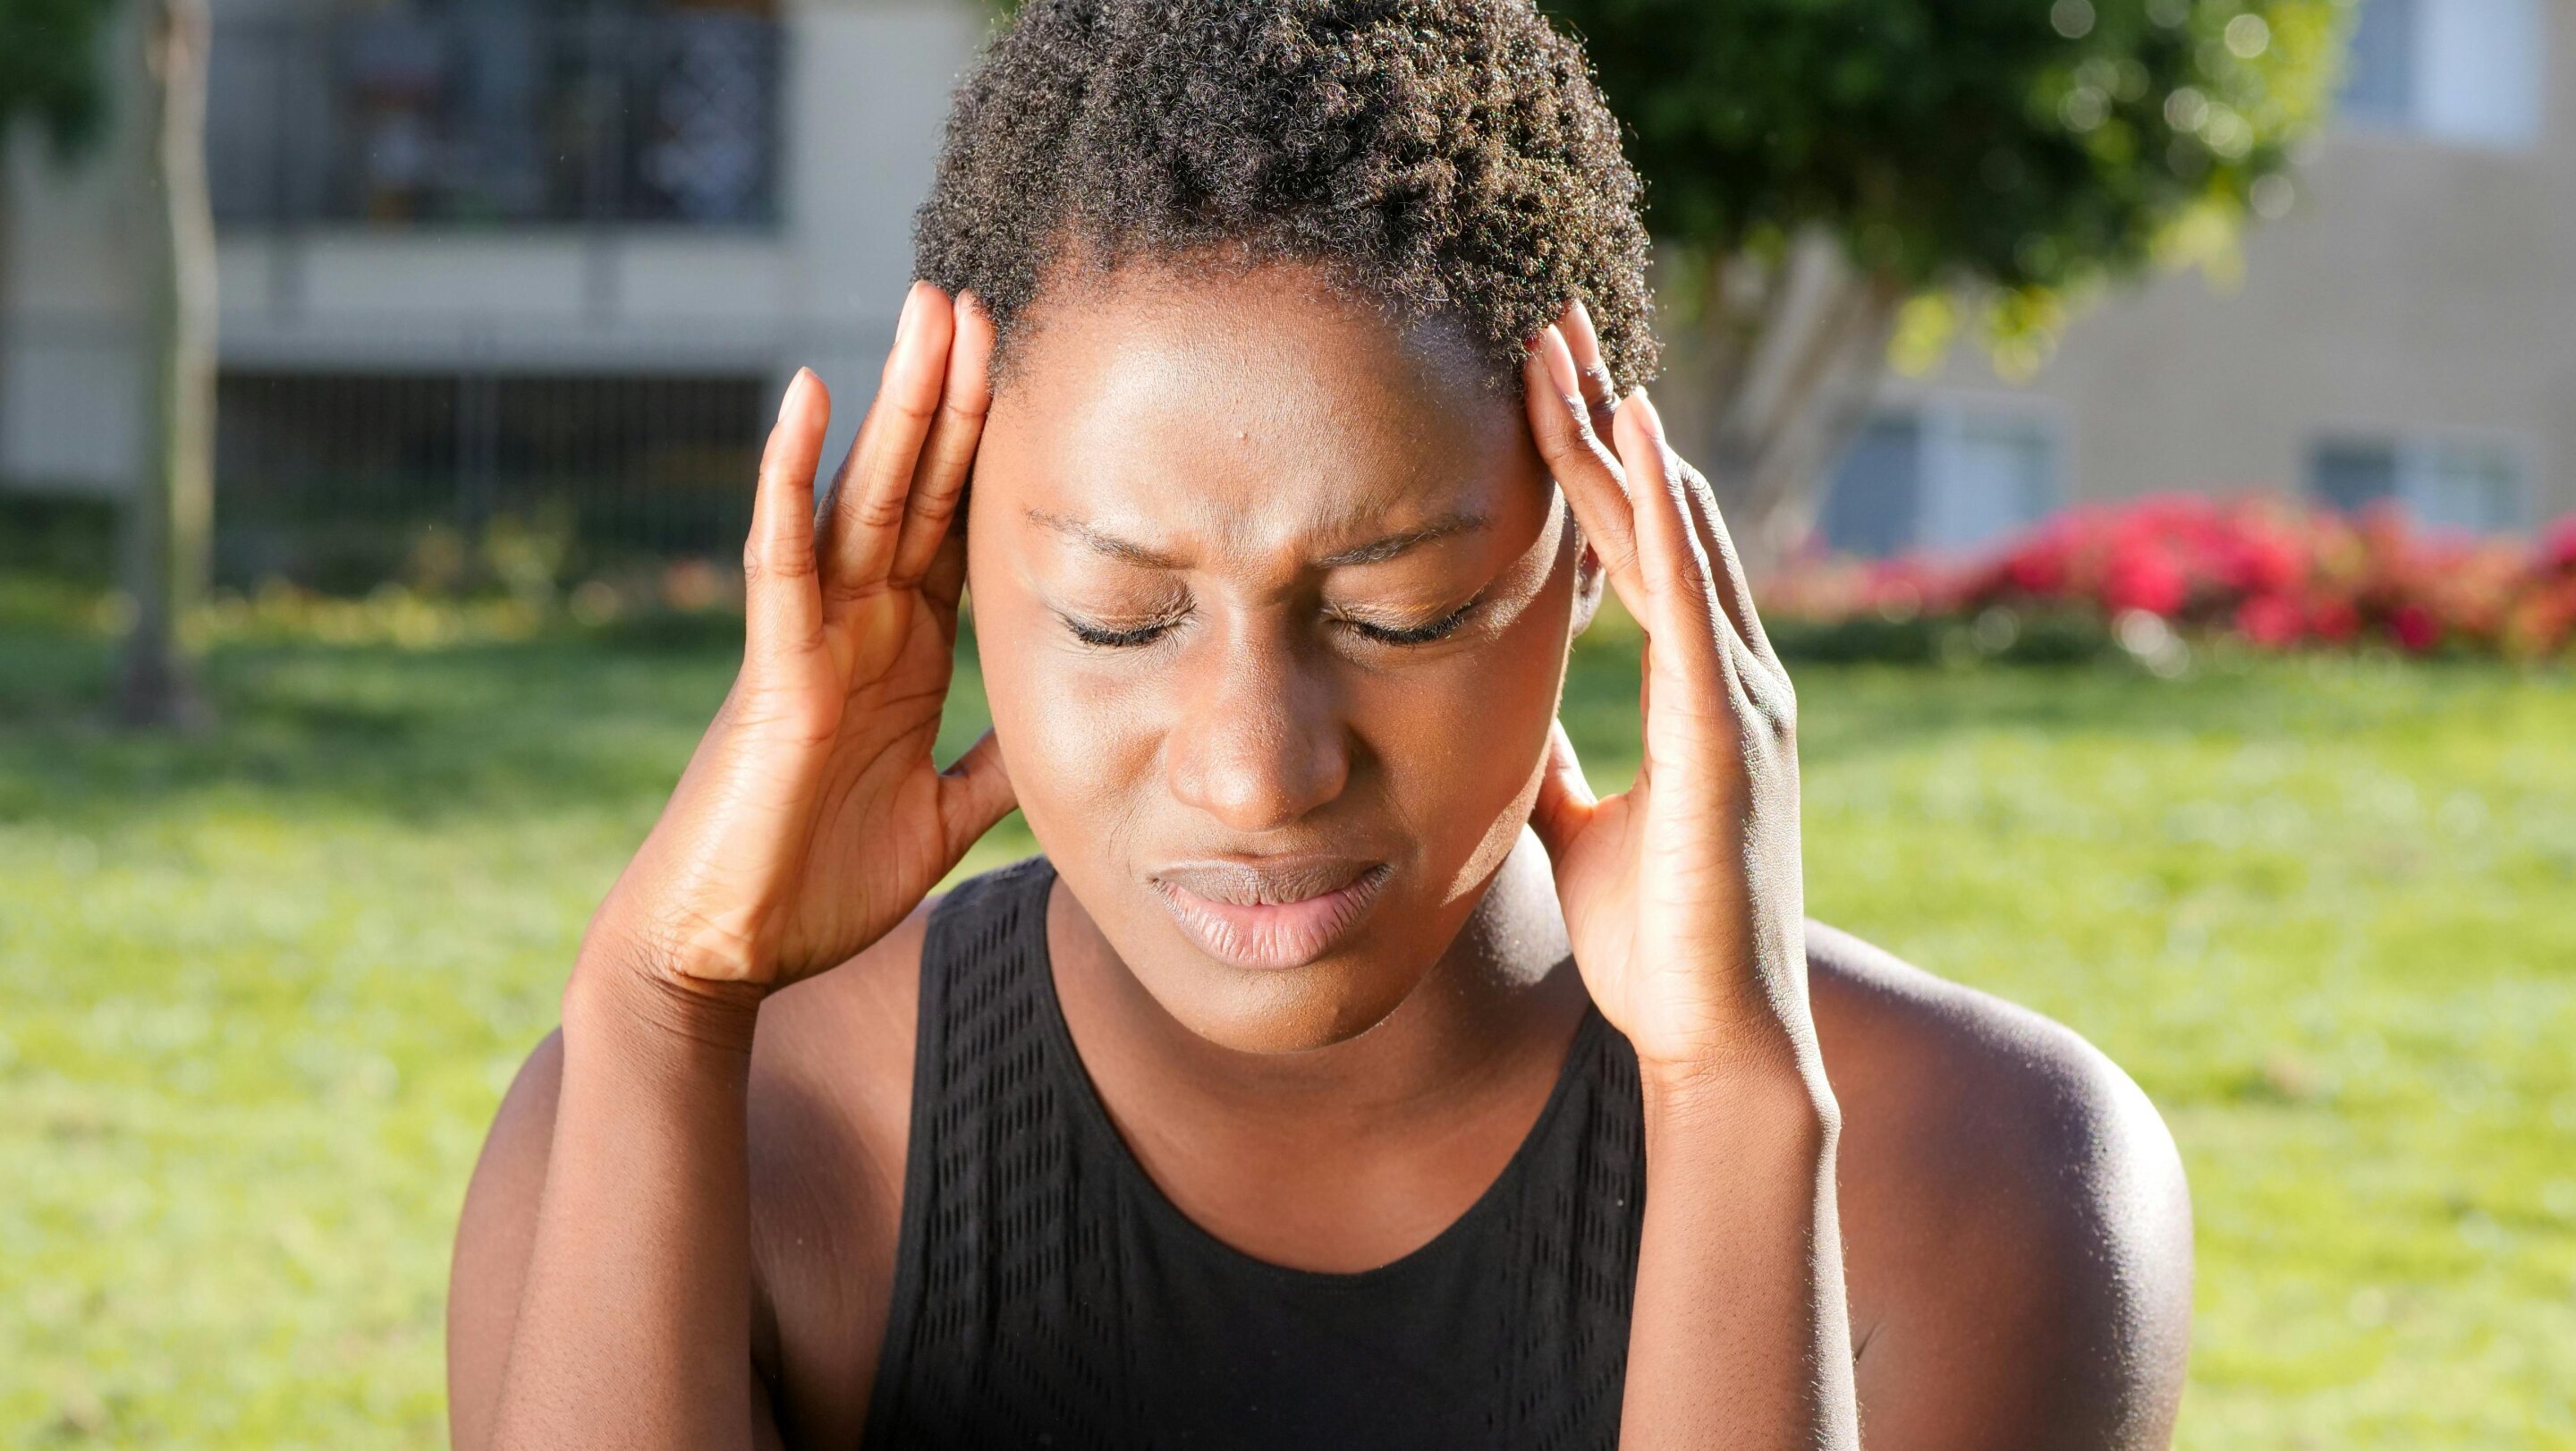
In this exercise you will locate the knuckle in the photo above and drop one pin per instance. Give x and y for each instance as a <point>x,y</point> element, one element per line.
<point>801,716</point>
<point>1774,703</point>
<point>1783,716</point>
<point>1576,410</point>
<point>909,409</point>
<point>787,566</point>
<point>877,508</point>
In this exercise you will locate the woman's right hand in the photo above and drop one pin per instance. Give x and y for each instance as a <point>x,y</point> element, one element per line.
<point>811,818</point>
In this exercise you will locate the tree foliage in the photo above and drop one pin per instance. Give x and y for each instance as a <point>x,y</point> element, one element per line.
<point>2017,143</point>
<point>51,67</point>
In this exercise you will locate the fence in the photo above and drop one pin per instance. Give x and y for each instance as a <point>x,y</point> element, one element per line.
<point>342,480</point>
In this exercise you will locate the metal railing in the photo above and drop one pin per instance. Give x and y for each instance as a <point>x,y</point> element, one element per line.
<point>341,480</point>
<point>496,112</point>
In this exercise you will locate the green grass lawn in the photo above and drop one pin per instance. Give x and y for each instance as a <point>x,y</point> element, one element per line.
<point>259,994</point>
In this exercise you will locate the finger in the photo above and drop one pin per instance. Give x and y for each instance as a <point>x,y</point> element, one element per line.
<point>943,584</point>
<point>975,794</point>
<point>782,606</point>
<point>948,456</point>
<point>1565,799</point>
<point>1589,473</point>
<point>1600,390</point>
<point>1700,651</point>
<point>869,502</point>
<point>1734,587</point>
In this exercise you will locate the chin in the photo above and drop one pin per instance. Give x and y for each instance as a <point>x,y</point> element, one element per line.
<point>1281,1010</point>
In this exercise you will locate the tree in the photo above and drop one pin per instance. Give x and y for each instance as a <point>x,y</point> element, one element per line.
<point>53,71</point>
<point>1821,171</point>
<point>168,541</point>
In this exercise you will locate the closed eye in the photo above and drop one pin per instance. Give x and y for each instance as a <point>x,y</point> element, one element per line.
<point>1439,629</point>
<point>1106,638</point>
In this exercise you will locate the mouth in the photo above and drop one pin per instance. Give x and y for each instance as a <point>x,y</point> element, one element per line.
<point>1269,914</point>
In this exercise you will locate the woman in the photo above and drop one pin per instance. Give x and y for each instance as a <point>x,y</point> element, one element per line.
<point>1343,1072</point>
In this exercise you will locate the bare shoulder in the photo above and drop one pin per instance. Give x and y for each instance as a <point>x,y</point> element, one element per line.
<point>2016,1225</point>
<point>830,1126</point>
<point>828,1120</point>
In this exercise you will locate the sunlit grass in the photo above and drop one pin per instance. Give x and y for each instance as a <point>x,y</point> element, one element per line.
<point>259,993</point>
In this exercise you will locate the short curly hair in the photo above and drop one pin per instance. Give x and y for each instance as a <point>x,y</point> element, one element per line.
<point>1444,159</point>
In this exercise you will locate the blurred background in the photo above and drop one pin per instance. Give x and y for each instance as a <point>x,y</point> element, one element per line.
<point>2155,421</point>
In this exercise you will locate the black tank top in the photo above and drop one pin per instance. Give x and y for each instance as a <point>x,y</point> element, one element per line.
<point>1047,1294</point>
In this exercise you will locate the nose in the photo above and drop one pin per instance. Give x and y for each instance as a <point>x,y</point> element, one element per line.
<point>1259,741</point>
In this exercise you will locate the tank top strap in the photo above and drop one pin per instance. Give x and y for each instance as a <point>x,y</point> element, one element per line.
<point>1002,1316</point>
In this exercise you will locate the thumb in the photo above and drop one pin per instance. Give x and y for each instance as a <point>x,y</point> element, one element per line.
<point>975,794</point>
<point>1565,798</point>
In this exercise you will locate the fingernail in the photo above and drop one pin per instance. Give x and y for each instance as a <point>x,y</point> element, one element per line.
<point>1560,365</point>
<point>910,318</point>
<point>1646,412</point>
<point>1583,315</point>
<point>794,385</point>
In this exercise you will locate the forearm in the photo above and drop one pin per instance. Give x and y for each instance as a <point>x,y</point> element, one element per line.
<point>1740,1337</point>
<point>634,1328</point>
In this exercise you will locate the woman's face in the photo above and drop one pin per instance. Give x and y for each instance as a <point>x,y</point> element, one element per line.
<point>1273,604</point>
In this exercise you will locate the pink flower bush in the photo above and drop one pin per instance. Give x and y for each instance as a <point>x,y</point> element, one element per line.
<point>2278,574</point>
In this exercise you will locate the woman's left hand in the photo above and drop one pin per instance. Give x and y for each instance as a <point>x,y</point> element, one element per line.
<point>1681,894</point>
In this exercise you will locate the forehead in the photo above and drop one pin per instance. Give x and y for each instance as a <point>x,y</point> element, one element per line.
<point>1257,405</point>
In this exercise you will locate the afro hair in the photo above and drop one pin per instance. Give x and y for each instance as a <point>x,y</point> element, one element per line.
<point>1443,159</point>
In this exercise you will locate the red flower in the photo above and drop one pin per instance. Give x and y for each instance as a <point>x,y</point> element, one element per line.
<point>2333,619</point>
<point>2273,621</point>
<point>2039,569</point>
<point>2278,572</point>
<point>2143,578</point>
<point>2415,627</point>
<point>2557,554</point>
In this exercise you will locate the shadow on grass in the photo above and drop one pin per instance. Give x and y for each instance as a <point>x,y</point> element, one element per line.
<point>607,718</point>
<point>415,734</point>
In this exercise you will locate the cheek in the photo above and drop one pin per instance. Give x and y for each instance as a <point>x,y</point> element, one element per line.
<point>1460,745</point>
<point>1076,749</point>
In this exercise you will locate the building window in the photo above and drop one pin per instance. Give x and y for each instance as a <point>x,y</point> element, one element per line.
<point>444,114</point>
<point>2465,71</point>
<point>1944,479</point>
<point>2477,485</point>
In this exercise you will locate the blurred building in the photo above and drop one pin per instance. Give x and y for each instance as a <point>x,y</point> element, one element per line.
<point>492,256</point>
<point>2405,331</point>
<point>487,258</point>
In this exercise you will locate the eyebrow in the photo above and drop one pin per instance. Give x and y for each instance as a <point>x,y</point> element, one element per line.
<point>1376,551</point>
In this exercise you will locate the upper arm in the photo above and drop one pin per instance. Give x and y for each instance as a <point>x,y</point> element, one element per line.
<point>495,1235</point>
<point>2020,1227</point>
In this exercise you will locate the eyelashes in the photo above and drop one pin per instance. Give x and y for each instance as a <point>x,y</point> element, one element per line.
<point>1133,637</point>
<point>1101,639</point>
<point>1439,629</point>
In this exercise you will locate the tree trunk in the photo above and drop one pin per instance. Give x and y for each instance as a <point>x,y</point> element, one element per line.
<point>168,542</point>
<point>1769,370</point>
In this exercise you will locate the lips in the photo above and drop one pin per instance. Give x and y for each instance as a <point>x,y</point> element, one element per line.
<point>1270,913</point>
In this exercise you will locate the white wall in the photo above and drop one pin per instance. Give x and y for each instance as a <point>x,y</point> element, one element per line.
<point>866,95</point>
<point>71,393</point>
